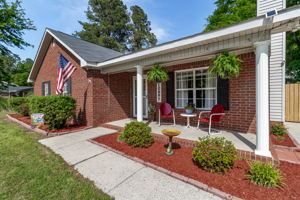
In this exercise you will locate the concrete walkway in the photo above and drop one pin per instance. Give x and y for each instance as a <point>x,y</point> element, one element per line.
<point>116,175</point>
<point>294,129</point>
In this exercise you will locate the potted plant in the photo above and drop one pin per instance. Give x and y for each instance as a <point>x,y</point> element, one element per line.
<point>226,66</point>
<point>189,109</point>
<point>158,74</point>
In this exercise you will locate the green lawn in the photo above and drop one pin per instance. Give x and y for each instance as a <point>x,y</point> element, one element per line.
<point>28,170</point>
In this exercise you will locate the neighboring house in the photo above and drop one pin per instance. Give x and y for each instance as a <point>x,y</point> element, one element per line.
<point>109,86</point>
<point>13,90</point>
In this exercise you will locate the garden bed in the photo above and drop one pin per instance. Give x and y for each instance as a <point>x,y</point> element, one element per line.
<point>233,182</point>
<point>283,140</point>
<point>27,120</point>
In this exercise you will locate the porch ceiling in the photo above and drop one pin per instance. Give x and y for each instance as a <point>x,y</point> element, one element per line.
<point>236,38</point>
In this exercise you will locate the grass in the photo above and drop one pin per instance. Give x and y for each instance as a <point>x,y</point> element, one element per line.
<point>29,170</point>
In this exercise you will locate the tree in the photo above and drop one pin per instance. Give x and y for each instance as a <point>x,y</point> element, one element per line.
<point>7,65</point>
<point>13,23</point>
<point>21,73</point>
<point>141,31</point>
<point>293,52</point>
<point>108,24</point>
<point>230,12</point>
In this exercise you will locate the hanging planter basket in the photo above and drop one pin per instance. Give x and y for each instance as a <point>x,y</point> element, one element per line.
<point>158,74</point>
<point>226,66</point>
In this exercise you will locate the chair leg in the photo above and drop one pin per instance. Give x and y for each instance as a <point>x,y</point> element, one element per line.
<point>159,120</point>
<point>209,128</point>
<point>174,120</point>
<point>198,124</point>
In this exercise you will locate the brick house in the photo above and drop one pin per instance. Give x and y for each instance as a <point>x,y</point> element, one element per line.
<point>109,86</point>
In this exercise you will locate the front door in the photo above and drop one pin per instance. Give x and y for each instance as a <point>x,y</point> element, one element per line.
<point>145,97</point>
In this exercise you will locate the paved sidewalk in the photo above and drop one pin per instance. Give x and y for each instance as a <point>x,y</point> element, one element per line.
<point>116,175</point>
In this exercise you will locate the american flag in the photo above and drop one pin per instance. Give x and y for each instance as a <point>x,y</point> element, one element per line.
<point>65,70</point>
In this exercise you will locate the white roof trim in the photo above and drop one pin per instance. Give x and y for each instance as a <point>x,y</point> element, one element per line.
<point>258,22</point>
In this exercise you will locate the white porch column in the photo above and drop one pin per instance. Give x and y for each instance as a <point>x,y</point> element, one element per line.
<point>262,99</point>
<point>139,93</point>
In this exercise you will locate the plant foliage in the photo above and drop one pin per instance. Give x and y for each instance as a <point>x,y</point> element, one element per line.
<point>229,12</point>
<point>278,129</point>
<point>225,66</point>
<point>137,134</point>
<point>265,174</point>
<point>141,36</point>
<point>110,25</point>
<point>13,24</point>
<point>158,74</point>
<point>19,105</point>
<point>214,154</point>
<point>57,109</point>
<point>3,103</point>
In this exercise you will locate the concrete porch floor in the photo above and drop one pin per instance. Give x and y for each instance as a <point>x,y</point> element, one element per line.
<point>242,141</point>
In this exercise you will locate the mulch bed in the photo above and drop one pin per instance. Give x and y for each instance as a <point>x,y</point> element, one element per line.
<point>233,182</point>
<point>27,120</point>
<point>284,140</point>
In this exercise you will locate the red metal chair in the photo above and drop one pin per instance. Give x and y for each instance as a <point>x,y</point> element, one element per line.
<point>215,116</point>
<point>166,111</point>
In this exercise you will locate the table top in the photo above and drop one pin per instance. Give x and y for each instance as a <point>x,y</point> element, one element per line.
<point>188,115</point>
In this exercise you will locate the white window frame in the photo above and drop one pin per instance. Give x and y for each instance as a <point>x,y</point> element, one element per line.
<point>65,89</point>
<point>158,92</point>
<point>194,86</point>
<point>48,84</point>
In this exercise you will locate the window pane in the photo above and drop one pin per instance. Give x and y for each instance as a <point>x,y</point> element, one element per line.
<point>203,80</point>
<point>184,80</point>
<point>184,97</point>
<point>205,98</point>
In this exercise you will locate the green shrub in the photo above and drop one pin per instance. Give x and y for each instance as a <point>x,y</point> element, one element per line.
<point>278,129</point>
<point>37,103</point>
<point>57,109</point>
<point>264,174</point>
<point>19,105</point>
<point>214,154</point>
<point>3,103</point>
<point>137,134</point>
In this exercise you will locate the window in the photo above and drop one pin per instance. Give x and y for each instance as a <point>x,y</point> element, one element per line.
<point>196,86</point>
<point>46,88</point>
<point>67,87</point>
<point>158,92</point>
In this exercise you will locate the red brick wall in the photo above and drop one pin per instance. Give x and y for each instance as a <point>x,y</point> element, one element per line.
<point>241,115</point>
<point>112,97</point>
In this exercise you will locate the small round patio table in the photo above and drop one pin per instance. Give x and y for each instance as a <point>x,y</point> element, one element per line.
<point>170,133</point>
<point>188,118</point>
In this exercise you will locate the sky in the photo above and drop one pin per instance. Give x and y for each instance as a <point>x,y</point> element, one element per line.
<point>170,19</point>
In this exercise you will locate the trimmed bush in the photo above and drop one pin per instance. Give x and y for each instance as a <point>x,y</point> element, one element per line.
<point>264,174</point>
<point>137,134</point>
<point>57,109</point>
<point>214,154</point>
<point>19,105</point>
<point>278,130</point>
<point>3,103</point>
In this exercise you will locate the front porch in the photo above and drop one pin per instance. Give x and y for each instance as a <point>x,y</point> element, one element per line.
<point>242,141</point>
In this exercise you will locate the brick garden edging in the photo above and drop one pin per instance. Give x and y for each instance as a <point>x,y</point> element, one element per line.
<point>180,177</point>
<point>41,131</point>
